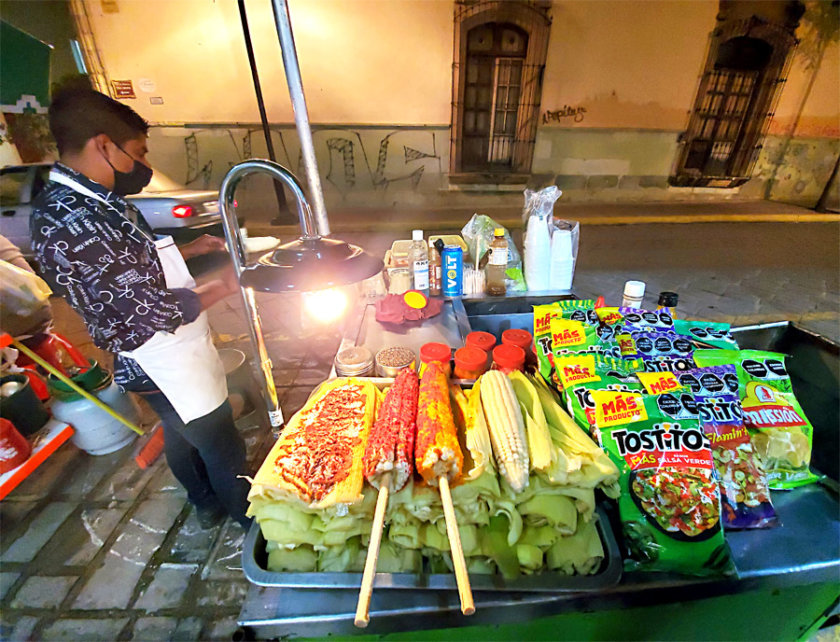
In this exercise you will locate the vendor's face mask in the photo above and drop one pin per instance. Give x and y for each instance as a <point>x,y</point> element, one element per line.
<point>132,182</point>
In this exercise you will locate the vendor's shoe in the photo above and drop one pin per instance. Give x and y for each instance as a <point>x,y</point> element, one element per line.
<point>209,516</point>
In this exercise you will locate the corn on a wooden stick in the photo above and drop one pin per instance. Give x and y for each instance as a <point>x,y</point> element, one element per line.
<point>437,452</point>
<point>507,428</point>
<point>318,459</point>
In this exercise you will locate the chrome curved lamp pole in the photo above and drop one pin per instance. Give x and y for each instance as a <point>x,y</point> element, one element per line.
<point>236,248</point>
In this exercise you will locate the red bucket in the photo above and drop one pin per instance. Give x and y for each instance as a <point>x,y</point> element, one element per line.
<point>14,448</point>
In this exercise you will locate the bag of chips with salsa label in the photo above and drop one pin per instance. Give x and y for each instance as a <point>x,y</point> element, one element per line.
<point>582,310</point>
<point>670,503</point>
<point>779,430</point>
<point>654,345</point>
<point>706,334</point>
<point>743,483</point>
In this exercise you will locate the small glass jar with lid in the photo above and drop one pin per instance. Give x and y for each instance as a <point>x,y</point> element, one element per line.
<point>439,352</point>
<point>470,362</point>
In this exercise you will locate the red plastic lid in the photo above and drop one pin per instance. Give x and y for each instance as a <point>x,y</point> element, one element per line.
<point>482,340</point>
<point>515,337</point>
<point>509,356</point>
<point>470,358</point>
<point>435,352</point>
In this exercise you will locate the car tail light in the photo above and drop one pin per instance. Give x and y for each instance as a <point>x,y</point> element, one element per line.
<point>182,211</point>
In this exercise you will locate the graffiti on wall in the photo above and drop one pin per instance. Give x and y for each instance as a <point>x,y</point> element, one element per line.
<point>349,160</point>
<point>577,114</point>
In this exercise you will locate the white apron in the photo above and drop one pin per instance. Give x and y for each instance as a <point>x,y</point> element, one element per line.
<point>184,364</point>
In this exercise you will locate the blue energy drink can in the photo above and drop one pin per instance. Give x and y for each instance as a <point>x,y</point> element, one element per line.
<point>452,260</point>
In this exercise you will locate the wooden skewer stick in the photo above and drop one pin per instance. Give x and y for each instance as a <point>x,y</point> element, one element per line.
<point>363,607</point>
<point>458,561</point>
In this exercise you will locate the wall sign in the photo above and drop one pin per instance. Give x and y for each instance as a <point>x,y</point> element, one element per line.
<point>123,89</point>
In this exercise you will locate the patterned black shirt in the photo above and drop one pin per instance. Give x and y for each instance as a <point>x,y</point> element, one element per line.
<point>99,254</point>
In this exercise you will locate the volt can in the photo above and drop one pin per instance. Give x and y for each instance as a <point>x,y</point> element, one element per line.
<point>452,259</point>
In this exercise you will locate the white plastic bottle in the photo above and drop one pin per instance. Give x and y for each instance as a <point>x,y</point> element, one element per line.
<point>634,294</point>
<point>418,260</point>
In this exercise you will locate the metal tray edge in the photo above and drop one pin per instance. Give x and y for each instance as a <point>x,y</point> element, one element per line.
<point>610,575</point>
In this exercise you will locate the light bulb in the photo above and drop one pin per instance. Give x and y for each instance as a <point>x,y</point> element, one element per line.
<point>325,306</point>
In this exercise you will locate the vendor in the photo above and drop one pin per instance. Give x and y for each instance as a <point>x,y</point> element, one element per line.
<point>137,297</point>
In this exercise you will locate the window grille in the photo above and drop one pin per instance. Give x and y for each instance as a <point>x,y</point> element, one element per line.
<point>500,50</point>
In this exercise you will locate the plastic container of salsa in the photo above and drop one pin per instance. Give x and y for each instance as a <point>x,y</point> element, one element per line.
<point>507,358</point>
<point>481,340</point>
<point>439,352</point>
<point>470,362</point>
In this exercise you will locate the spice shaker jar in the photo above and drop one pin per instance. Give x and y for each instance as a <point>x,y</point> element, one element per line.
<point>439,352</point>
<point>389,361</point>
<point>522,339</point>
<point>508,358</point>
<point>470,362</point>
<point>354,362</point>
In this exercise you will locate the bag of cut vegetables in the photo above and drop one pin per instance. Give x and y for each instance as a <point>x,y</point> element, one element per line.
<point>780,432</point>
<point>670,502</point>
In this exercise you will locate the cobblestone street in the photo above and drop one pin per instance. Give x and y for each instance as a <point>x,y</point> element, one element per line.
<point>95,548</point>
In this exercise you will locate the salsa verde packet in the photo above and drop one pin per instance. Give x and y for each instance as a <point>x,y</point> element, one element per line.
<point>743,482</point>
<point>706,334</point>
<point>670,503</point>
<point>660,351</point>
<point>635,319</point>
<point>780,432</point>
<point>582,310</point>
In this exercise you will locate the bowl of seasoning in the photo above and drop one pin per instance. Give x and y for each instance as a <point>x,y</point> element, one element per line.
<point>354,362</point>
<point>389,361</point>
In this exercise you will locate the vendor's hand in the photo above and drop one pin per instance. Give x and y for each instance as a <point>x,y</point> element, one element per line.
<point>204,244</point>
<point>228,277</point>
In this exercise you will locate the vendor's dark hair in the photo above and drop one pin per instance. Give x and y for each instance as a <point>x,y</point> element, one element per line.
<point>77,115</point>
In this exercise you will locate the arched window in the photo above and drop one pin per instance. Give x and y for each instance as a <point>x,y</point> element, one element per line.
<point>500,50</point>
<point>745,67</point>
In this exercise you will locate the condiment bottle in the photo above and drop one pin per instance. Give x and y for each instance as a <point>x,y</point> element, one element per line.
<point>418,261</point>
<point>522,339</point>
<point>497,264</point>
<point>434,269</point>
<point>668,301</point>
<point>439,352</point>
<point>481,340</point>
<point>508,358</point>
<point>470,363</point>
<point>634,294</point>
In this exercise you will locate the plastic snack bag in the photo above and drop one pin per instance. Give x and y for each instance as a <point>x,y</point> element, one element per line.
<point>743,483</point>
<point>780,432</point>
<point>670,503</point>
<point>706,334</point>
<point>478,233</point>
<point>572,309</point>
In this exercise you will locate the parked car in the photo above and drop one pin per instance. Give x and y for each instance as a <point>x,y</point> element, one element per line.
<point>168,207</point>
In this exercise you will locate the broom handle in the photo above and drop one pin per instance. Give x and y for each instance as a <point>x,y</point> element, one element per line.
<point>69,382</point>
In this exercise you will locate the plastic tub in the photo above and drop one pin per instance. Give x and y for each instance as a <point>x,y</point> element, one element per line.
<point>470,363</point>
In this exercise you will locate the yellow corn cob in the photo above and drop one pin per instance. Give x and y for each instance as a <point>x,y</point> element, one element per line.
<point>476,435</point>
<point>437,452</point>
<point>507,428</point>
<point>318,458</point>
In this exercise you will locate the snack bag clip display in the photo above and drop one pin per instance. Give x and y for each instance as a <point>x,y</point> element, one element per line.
<point>780,432</point>
<point>670,502</point>
<point>743,483</point>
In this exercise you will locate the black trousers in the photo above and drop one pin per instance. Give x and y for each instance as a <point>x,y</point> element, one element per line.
<point>206,456</point>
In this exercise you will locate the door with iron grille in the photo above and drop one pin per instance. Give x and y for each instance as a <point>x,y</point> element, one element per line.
<point>492,95</point>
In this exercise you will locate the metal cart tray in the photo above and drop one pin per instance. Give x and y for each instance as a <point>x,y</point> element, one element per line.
<point>254,562</point>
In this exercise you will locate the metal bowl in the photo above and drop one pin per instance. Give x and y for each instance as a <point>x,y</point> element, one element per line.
<point>397,357</point>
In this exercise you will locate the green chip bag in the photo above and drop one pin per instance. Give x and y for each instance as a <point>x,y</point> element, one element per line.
<point>670,504</point>
<point>706,334</point>
<point>582,310</point>
<point>779,430</point>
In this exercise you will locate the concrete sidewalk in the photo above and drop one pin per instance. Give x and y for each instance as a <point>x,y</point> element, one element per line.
<point>93,548</point>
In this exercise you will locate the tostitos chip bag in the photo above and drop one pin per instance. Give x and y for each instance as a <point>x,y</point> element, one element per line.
<point>670,502</point>
<point>635,319</point>
<point>780,432</point>
<point>743,483</point>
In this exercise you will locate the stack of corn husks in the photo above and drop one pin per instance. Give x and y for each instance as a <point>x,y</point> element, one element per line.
<point>526,502</point>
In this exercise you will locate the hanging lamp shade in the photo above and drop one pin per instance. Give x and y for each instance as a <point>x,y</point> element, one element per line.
<point>310,264</point>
